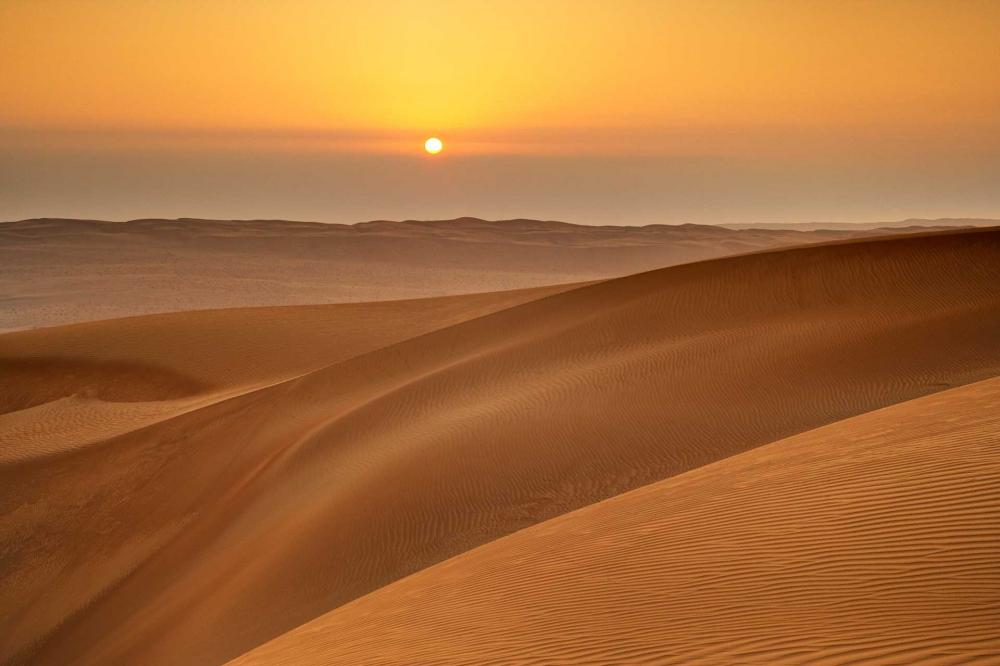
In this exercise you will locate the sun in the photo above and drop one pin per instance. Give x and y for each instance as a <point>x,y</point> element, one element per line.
<point>433,145</point>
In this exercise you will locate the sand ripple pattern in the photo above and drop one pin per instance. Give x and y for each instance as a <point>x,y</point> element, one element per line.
<point>870,541</point>
<point>198,537</point>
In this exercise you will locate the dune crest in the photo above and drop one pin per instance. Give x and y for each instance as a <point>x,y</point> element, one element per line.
<point>119,375</point>
<point>871,540</point>
<point>264,510</point>
<point>66,271</point>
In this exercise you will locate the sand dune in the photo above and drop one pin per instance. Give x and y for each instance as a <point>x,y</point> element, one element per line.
<point>239,347</point>
<point>199,536</point>
<point>871,540</point>
<point>118,375</point>
<point>913,222</point>
<point>55,271</point>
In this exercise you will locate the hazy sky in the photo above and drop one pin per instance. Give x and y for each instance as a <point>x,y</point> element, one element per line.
<point>616,111</point>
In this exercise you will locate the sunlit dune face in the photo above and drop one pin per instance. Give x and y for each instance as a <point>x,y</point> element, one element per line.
<point>433,145</point>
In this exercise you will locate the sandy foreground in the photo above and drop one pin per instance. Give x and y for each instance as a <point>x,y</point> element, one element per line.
<point>442,480</point>
<point>870,540</point>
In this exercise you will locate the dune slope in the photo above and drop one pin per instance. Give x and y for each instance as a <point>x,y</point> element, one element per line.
<point>197,537</point>
<point>90,381</point>
<point>242,347</point>
<point>871,540</point>
<point>55,271</point>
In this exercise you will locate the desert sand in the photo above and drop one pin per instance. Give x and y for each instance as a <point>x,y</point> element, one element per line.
<point>110,376</point>
<point>871,540</point>
<point>184,488</point>
<point>56,271</point>
<point>899,225</point>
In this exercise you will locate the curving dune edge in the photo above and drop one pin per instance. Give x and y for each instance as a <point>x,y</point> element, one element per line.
<point>283,464</point>
<point>871,540</point>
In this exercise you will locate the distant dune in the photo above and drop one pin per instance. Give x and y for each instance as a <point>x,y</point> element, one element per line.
<point>56,271</point>
<point>324,453</point>
<point>911,223</point>
<point>871,540</point>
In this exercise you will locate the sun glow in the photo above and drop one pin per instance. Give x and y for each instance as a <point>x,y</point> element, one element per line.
<point>433,145</point>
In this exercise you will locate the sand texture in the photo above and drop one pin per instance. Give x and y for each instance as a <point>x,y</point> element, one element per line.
<point>869,541</point>
<point>55,271</point>
<point>184,488</point>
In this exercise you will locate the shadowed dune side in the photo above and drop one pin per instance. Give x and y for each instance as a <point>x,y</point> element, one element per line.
<point>118,375</point>
<point>250,346</point>
<point>871,540</point>
<point>35,381</point>
<point>223,527</point>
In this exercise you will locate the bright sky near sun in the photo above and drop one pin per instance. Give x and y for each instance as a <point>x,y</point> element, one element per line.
<point>466,64</point>
<point>742,78</point>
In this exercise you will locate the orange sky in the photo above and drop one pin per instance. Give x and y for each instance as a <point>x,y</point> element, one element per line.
<point>468,66</point>
<point>900,80</point>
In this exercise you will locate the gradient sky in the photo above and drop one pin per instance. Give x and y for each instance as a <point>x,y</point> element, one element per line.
<point>597,112</point>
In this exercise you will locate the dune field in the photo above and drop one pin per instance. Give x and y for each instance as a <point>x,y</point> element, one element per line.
<point>712,375</point>
<point>57,271</point>
<point>782,455</point>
